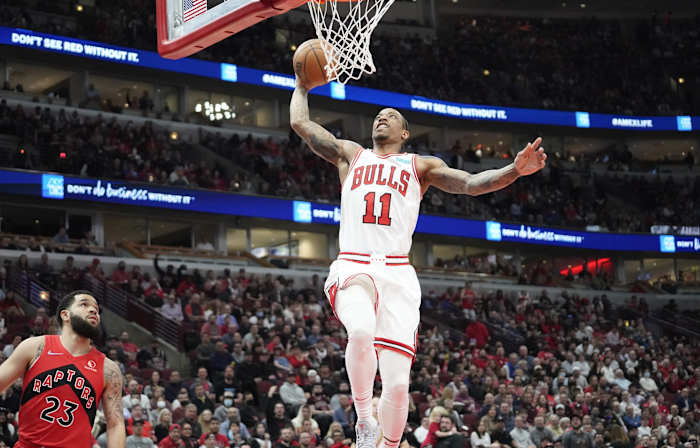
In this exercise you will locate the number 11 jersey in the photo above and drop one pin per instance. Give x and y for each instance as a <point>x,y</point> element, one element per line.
<point>379,204</point>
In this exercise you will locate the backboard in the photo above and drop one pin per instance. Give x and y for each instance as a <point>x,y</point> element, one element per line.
<point>188,26</point>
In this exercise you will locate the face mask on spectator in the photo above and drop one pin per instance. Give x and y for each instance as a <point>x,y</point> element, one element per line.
<point>228,402</point>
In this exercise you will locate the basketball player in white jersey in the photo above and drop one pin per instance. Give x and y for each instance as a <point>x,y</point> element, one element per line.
<point>372,288</point>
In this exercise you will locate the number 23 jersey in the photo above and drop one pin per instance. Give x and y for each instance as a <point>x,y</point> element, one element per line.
<point>60,396</point>
<point>379,204</point>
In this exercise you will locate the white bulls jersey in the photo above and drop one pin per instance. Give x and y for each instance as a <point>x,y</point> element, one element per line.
<point>379,204</point>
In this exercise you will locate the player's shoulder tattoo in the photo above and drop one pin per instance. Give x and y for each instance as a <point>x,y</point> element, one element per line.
<point>112,373</point>
<point>39,349</point>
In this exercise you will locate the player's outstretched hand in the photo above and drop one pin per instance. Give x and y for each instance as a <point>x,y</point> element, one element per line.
<point>531,159</point>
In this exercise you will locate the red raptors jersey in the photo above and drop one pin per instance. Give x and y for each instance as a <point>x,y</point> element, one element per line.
<point>379,204</point>
<point>60,395</point>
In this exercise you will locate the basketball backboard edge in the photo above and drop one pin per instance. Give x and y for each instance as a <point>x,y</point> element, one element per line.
<point>207,30</point>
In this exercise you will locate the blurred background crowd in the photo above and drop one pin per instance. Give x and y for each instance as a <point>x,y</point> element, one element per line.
<point>493,369</point>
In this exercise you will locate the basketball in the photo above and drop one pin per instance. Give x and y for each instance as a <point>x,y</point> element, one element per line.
<point>310,63</point>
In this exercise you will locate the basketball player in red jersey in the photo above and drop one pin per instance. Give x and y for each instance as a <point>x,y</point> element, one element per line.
<point>372,287</point>
<point>64,379</point>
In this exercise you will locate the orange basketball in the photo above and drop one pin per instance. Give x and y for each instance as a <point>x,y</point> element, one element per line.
<point>310,63</point>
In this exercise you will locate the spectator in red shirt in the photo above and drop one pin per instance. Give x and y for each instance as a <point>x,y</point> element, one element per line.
<point>96,270</point>
<point>339,440</point>
<point>130,349</point>
<point>185,285</point>
<point>431,439</point>
<point>154,288</point>
<point>286,439</point>
<point>174,439</point>
<point>119,275</point>
<point>193,310</point>
<point>211,328</point>
<point>298,359</point>
<point>274,342</point>
<point>477,330</point>
<point>214,426</point>
<point>479,358</point>
<point>127,345</point>
<point>468,298</point>
<point>137,416</point>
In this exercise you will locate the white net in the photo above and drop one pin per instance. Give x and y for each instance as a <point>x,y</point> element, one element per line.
<point>346,28</point>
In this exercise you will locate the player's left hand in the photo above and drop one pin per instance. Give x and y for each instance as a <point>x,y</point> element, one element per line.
<point>531,159</point>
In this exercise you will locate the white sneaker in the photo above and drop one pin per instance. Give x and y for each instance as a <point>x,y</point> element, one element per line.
<point>367,433</point>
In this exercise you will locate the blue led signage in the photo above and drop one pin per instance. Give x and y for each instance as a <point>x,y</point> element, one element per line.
<point>59,188</point>
<point>234,73</point>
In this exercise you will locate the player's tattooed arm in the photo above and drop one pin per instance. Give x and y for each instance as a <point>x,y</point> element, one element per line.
<point>112,405</point>
<point>436,172</point>
<point>37,352</point>
<point>456,181</point>
<point>321,142</point>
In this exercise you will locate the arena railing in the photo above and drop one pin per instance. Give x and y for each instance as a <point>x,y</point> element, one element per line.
<point>676,323</point>
<point>113,299</point>
<point>457,325</point>
<point>134,310</point>
<point>29,288</point>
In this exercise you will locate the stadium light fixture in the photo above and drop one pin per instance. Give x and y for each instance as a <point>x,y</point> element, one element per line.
<point>215,111</point>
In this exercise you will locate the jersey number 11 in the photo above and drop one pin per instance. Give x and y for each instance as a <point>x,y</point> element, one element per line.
<point>369,217</point>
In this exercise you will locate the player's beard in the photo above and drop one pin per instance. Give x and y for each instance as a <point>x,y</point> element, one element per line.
<point>84,328</point>
<point>380,137</point>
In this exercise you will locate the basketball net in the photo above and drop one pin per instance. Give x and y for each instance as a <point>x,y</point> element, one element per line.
<point>346,28</point>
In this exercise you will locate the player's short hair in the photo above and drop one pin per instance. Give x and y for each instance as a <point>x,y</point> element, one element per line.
<point>67,302</point>
<point>404,122</point>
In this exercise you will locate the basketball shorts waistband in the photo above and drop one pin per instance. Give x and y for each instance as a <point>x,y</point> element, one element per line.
<point>386,260</point>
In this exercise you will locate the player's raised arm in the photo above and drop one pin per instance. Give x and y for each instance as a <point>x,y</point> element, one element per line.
<point>20,359</point>
<point>112,405</point>
<point>435,172</point>
<point>320,141</point>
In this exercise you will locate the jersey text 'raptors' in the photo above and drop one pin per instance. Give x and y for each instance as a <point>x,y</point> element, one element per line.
<point>60,396</point>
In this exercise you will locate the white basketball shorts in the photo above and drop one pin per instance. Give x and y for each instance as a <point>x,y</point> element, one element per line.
<point>397,296</point>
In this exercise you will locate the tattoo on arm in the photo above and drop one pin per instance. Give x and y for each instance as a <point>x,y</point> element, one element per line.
<point>328,148</point>
<point>447,179</point>
<point>321,142</point>
<point>492,180</point>
<point>112,401</point>
<point>37,353</point>
<point>460,182</point>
